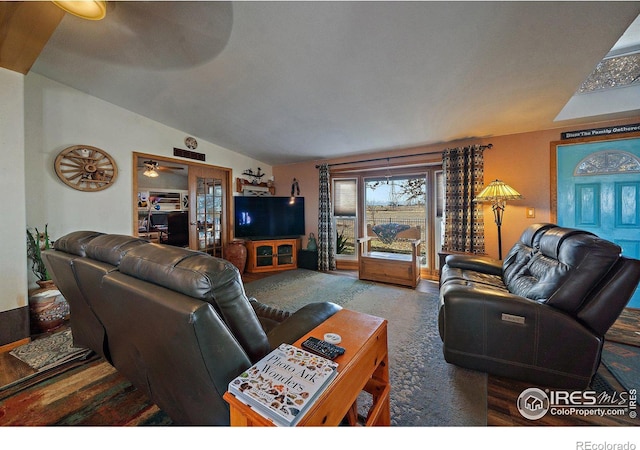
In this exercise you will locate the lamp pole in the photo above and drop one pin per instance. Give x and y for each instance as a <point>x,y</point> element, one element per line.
<point>498,212</point>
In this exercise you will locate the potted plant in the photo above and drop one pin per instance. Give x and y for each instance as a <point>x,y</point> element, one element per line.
<point>48,309</point>
<point>38,242</point>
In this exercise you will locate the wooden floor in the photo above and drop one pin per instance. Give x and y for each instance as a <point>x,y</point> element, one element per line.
<point>501,392</point>
<point>12,369</point>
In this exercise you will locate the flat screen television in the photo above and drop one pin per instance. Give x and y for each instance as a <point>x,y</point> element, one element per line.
<point>259,218</point>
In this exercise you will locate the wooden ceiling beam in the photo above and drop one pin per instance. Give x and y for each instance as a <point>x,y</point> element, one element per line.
<point>25,28</point>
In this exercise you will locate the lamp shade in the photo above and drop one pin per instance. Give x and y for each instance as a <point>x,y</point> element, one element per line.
<point>497,191</point>
<point>87,9</point>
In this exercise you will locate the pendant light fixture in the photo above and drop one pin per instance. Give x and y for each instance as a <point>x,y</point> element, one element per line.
<point>150,169</point>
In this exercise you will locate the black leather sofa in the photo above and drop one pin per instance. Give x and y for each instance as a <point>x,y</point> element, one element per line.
<point>175,322</point>
<point>539,315</point>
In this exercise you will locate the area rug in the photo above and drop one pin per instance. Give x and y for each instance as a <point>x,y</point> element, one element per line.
<point>47,352</point>
<point>425,390</point>
<point>625,328</point>
<point>623,361</point>
<point>91,394</point>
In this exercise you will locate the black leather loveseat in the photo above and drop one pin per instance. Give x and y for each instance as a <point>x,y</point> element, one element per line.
<point>175,322</point>
<point>539,315</point>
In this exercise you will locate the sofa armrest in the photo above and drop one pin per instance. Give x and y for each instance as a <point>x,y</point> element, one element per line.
<point>301,322</point>
<point>478,263</point>
<point>502,333</point>
<point>269,316</point>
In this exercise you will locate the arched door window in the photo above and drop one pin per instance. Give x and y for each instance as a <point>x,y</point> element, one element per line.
<point>607,162</point>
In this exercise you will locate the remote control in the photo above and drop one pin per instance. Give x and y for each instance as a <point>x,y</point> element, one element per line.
<point>322,348</point>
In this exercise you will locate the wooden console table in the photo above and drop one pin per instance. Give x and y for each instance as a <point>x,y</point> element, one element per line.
<point>363,367</point>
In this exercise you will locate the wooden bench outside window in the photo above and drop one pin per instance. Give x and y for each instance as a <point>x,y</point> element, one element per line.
<point>387,266</point>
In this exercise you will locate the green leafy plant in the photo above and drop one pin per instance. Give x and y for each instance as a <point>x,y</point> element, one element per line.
<point>37,242</point>
<point>341,242</point>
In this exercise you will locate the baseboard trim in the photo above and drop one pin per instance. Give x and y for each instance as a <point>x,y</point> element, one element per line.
<point>347,264</point>
<point>8,347</point>
<point>14,326</point>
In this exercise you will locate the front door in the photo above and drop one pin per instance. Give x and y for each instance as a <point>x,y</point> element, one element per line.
<point>598,190</point>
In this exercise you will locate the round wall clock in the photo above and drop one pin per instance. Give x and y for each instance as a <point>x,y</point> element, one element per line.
<point>86,168</point>
<point>191,143</point>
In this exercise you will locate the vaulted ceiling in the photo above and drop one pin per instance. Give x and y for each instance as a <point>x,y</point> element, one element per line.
<point>291,81</point>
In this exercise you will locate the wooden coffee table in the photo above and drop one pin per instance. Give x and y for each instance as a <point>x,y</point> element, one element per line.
<point>363,367</point>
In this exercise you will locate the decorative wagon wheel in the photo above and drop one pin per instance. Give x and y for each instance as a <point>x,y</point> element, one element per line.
<point>86,168</point>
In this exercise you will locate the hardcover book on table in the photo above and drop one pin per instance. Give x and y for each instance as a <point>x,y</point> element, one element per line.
<point>284,384</point>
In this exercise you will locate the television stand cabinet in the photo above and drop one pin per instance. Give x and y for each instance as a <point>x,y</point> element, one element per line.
<point>272,254</point>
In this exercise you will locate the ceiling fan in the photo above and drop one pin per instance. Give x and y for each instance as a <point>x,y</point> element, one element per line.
<point>151,168</point>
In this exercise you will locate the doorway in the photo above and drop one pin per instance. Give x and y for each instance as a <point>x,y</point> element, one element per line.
<point>181,203</point>
<point>406,195</point>
<point>597,188</point>
<point>208,210</point>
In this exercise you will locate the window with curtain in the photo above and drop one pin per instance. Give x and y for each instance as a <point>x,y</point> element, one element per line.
<point>345,215</point>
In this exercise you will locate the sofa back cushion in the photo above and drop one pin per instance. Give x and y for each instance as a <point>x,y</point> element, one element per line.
<point>86,328</point>
<point>201,276</point>
<point>172,347</point>
<point>523,250</point>
<point>568,265</point>
<point>110,248</point>
<point>76,242</point>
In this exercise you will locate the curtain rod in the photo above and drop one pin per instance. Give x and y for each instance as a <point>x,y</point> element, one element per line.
<point>387,158</point>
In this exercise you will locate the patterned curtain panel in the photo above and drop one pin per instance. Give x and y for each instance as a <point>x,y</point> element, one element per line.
<point>464,179</point>
<point>326,248</point>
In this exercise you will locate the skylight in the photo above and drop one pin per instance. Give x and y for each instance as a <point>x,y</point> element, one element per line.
<point>614,85</point>
<point>613,72</point>
<point>621,66</point>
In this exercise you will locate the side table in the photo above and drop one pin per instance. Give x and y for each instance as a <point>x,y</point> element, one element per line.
<point>363,367</point>
<point>308,259</point>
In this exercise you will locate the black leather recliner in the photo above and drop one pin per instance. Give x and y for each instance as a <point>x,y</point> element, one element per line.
<point>177,323</point>
<point>541,314</point>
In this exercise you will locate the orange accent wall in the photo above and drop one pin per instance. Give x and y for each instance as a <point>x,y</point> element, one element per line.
<point>521,160</point>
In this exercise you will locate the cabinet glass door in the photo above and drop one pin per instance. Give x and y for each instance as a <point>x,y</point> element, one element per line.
<point>285,254</point>
<point>264,255</point>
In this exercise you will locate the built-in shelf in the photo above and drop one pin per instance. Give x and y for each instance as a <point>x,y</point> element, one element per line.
<point>246,187</point>
<point>163,200</point>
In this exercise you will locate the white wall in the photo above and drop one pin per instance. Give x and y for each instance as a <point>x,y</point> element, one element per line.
<point>13,259</point>
<point>58,117</point>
